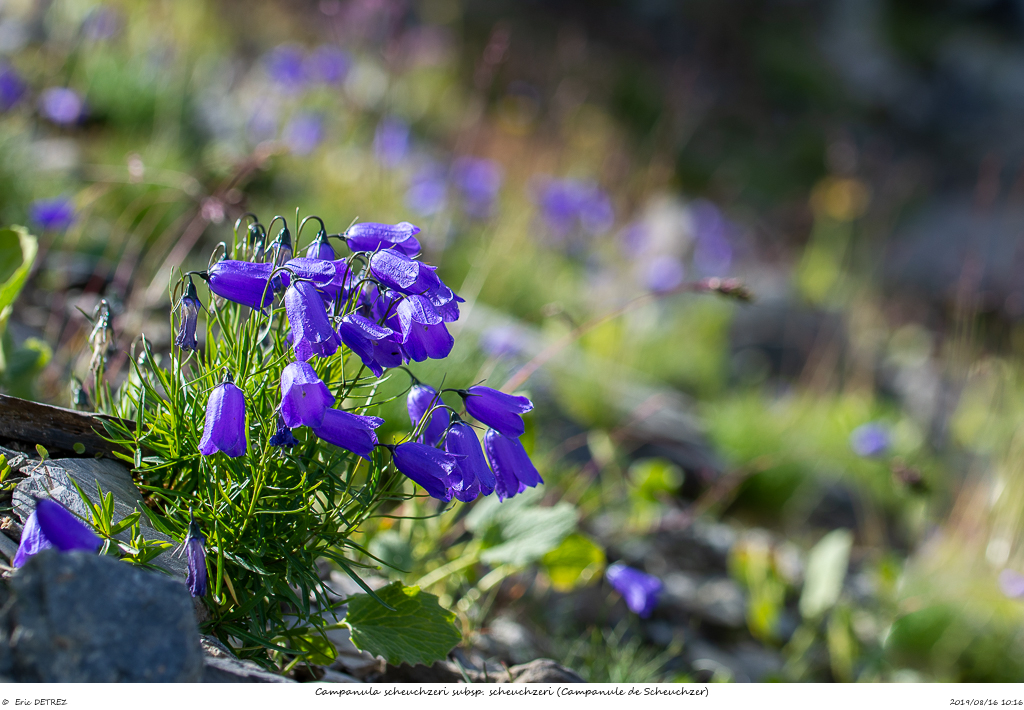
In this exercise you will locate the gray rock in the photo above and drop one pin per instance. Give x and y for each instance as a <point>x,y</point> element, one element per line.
<point>213,647</point>
<point>544,670</point>
<point>53,479</point>
<point>232,670</point>
<point>77,617</point>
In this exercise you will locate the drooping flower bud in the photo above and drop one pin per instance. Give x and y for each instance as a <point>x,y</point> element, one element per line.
<point>353,432</point>
<point>431,468</point>
<point>225,421</point>
<point>420,400</point>
<point>283,437</point>
<point>312,331</point>
<point>282,246</point>
<point>195,555</point>
<point>320,248</point>
<point>188,318</point>
<point>461,440</point>
<point>243,282</point>
<point>496,409</point>
<point>513,470</point>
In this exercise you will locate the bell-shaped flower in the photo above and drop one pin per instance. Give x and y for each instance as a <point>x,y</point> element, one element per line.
<point>243,282</point>
<point>225,421</point>
<point>353,432</point>
<point>281,247</point>
<point>304,397</point>
<point>188,317</point>
<point>422,330</point>
<point>312,332</point>
<point>513,470</point>
<point>283,437</point>
<point>373,343</point>
<point>320,273</point>
<point>462,440</point>
<point>53,525</point>
<point>640,590</point>
<point>422,398</point>
<point>431,468</point>
<point>394,269</point>
<point>195,555</point>
<point>496,409</point>
<point>320,249</point>
<point>372,236</point>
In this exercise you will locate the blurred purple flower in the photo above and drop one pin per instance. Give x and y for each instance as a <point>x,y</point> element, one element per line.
<point>478,182</point>
<point>12,87</point>
<point>54,213</point>
<point>1011,583</point>
<point>391,141</point>
<point>427,194</point>
<point>663,273</point>
<point>262,126</point>
<point>712,253</point>
<point>501,341</point>
<point>285,65</point>
<point>102,23</point>
<point>570,204</point>
<point>61,105</point>
<point>303,133</point>
<point>327,64</point>
<point>870,440</point>
<point>640,590</point>
<point>633,239</point>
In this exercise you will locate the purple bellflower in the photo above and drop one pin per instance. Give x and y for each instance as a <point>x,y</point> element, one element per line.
<point>320,249</point>
<point>663,273</point>
<point>12,87</point>
<point>61,105</point>
<point>53,525</point>
<point>420,400</point>
<point>371,236</point>
<point>225,421</point>
<point>353,432</point>
<point>195,555</point>
<point>870,440</point>
<point>55,213</point>
<point>640,590</point>
<point>422,330</point>
<point>283,437</point>
<point>712,253</point>
<point>243,282</point>
<point>188,317</point>
<point>462,440</point>
<point>305,399</point>
<point>1011,583</point>
<point>496,409</point>
<point>373,343</point>
<point>311,327</point>
<point>513,470</point>
<point>431,468</point>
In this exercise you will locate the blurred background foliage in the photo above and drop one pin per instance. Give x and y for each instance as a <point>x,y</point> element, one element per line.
<point>828,480</point>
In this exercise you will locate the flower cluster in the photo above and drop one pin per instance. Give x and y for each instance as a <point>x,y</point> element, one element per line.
<point>382,305</point>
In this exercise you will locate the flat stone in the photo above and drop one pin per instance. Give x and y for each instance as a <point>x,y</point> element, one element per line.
<point>53,479</point>
<point>78,617</point>
<point>232,670</point>
<point>544,670</point>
